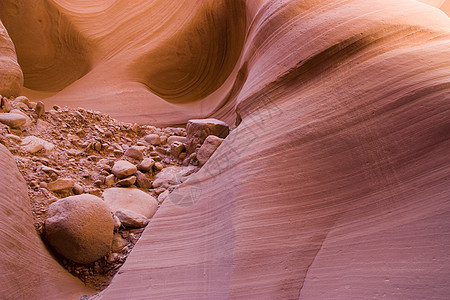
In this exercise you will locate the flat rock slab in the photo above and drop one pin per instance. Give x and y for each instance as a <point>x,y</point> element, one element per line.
<point>131,219</point>
<point>130,199</point>
<point>12,120</point>
<point>61,185</point>
<point>33,144</point>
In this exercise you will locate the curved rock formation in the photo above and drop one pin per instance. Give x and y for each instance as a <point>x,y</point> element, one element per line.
<point>11,77</point>
<point>28,271</point>
<point>335,182</point>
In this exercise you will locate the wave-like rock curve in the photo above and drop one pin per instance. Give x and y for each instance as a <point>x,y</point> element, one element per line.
<point>11,77</point>
<point>335,182</point>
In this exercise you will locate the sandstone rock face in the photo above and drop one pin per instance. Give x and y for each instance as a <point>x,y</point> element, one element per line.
<point>341,107</point>
<point>11,77</point>
<point>198,130</point>
<point>28,271</point>
<point>130,199</point>
<point>335,140</point>
<point>80,228</point>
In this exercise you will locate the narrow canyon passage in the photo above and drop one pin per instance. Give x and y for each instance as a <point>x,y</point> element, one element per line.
<point>333,182</point>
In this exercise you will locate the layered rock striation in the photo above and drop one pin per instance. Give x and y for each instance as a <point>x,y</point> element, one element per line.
<point>333,184</point>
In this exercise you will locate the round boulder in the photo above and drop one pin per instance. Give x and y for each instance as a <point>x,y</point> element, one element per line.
<point>123,169</point>
<point>80,228</point>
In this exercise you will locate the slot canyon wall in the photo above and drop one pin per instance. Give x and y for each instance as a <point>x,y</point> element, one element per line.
<point>334,183</point>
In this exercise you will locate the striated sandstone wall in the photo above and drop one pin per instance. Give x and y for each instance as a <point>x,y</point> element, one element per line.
<point>27,270</point>
<point>11,77</point>
<point>335,183</point>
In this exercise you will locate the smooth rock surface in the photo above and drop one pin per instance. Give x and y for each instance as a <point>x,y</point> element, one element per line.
<point>80,228</point>
<point>12,120</point>
<point>131,219</point>
<point>62,185</point>
<point>153,139</point>
<point>334,183</point>
<point>146,165</point>
<point>123,169</point>
<point>134,153</point>
<point>33,144</point>
<point>11,76</point>
<point>175,138</point>
<point>28,271</point>
<point>130,199</point>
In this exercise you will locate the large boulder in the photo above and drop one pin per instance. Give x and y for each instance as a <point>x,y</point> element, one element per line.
<point>80,228</point>
<point>130,199</point>
<point>11,76</point>
<point>199,129</point>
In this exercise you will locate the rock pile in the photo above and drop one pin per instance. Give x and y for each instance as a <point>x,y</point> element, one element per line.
<point>63,152</point>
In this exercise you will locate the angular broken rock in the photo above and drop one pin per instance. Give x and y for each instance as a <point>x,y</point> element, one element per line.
<point>142,181</point>
<point>109,180</point>
<point>172,176</point>
<point>199,129</point>
<point>209,146</point>
<point>123,169</point>
<point>32,144</point>
<point>80,228</point>
<point>12,120</point>
<point>118,243</point>
<point>61,185</point>
<point>176,148</point>
<point>131,219</point>
<point>40,109</point>
<point>5,107</point>
<point>131,199</point>
<point>176,138</point>
<point>127,182</point>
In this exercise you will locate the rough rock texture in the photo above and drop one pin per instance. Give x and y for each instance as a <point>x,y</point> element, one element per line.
<point>130,199</point>
<point>208,148</point>
<point>11,77</point>
<point>334,184</point>
<point>198,130</point>
<point>80,228</point>
<point>28,271</point>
